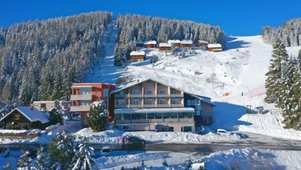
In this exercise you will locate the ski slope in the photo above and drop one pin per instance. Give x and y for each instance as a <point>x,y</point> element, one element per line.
<point>233,79</point>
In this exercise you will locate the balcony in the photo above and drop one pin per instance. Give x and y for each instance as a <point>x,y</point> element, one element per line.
<point>149,105</point>
<point>134,95</point>
<point>163,105</point>
<point>84,108</point>
<point>149,95</point>
<point>134,106</point>
<point>81,97</point>
<point>163,95</point>
<point>176,95</point>
<point>177,105</point>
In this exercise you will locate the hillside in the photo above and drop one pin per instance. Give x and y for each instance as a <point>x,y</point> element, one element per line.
<point>233,79</point>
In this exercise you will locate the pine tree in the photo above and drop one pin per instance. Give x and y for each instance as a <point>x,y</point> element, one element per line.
<point>24,162</point>
<point>98,118</point>
<point>42,159</point>
<point>273,82</point>
<point>58,87</point>
<point>61,150</point>
<point>83,157</point>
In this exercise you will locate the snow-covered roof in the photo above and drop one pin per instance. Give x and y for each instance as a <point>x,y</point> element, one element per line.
<point>155,110</point>
<point>214,45</point>
<point>31,114</point>
<point>122,87</point>
<point>137,53</point>
<point>164,45</point>
<point>173,41</point>
<point>203,41</point>
<point>151,42</point>
<point>186,42</point>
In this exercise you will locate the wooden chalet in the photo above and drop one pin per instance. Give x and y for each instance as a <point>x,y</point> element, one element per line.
<point>215,47</point>
<point>186,44</point>
<point>25,118</point>
<point>165,47</point>
<point>137,56</point>
<point>150,44</point>
<point>175,43</point>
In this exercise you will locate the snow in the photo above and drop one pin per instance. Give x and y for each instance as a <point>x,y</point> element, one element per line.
<point>137,53</point>
<point>164,45</point>
<point>173,41</point>
<point>252,158</point>
<point>113,136</point>
<point>151,42</point>
<point>186,42</point>
<point>150,159</point>
<point>214,46</point>
<point>31,114</point>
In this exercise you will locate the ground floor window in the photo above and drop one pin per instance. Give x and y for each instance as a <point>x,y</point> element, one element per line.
<point>186,129</point>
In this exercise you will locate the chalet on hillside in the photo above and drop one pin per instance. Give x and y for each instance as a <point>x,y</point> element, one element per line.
<point>137,56</point>
<point>203,44</point>
<point>165,47</point>
<point>25,118</point>
<point>44,105</point>
<point>215,47</point>
<point>150,44</point>
<point>175,43</point>
<point>186,44</point>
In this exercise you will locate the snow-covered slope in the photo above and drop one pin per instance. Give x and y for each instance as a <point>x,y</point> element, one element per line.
<point>233,78</point>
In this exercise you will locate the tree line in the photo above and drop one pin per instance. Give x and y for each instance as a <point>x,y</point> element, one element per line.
<point>40,59</point>
<point>289,33</point>
<point>283,84</point>
<point>137,27</point>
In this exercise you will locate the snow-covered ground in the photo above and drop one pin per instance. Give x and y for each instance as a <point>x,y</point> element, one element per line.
<point>250,158</point>
<point>152,160</point>
<point>114,137</point>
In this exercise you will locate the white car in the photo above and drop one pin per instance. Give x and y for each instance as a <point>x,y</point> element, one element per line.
<point>105,151</point>
<point>222,132</point>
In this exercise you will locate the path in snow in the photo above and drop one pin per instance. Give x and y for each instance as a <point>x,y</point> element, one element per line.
<point>104,70</point>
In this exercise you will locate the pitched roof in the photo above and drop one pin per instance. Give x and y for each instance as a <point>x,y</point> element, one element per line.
<point>164,45</point>
<point>186,42</point>
<point>214,46</point>
<point>31,114</point>
<point>151,42</point>
<point>138,82</point>
<point>137,53</point>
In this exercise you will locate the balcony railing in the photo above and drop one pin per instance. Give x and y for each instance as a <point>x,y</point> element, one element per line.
<point>149,105</point>
<point>149,95</point>
<point>163,95</point>
<point>177,105</point>
<point>163,105</point>
<point>134,95</point>
<point>80,108</point>
<point>176,95</point>
<point>81,97</point>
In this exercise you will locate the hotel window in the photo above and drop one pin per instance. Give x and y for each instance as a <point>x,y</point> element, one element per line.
<point>105,93</point>
<point>135,91</point>
<point>148,101</point>
<point>174,91</point>
<point>162,91</point>
<point>135,102</point>
<point>162,101</point>
<point>148,91</point>
<point>189,102</point>
<point>175,101</point>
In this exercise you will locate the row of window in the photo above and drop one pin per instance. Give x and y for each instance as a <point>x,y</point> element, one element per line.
<point>193,102</point>
<point>151,91</point>
<point>148,101</point>
<point>144,116</point>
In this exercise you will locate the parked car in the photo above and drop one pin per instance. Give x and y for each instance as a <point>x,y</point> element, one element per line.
<point>222,132</point>
<point>134,140</point>
<point>105,151</point>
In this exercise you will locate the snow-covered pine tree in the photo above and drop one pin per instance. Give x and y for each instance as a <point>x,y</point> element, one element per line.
<point>61,151</point>
<point>42,160</point>
<point>83,159</point>
<point>24,162</point>
<point>98,117</point>
<point>118,60</point>
<point>273,82</point>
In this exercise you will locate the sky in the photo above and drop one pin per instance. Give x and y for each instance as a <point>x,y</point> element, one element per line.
<point>235,17</point>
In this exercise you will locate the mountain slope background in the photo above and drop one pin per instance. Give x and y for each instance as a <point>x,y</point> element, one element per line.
<point>40,59</point>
